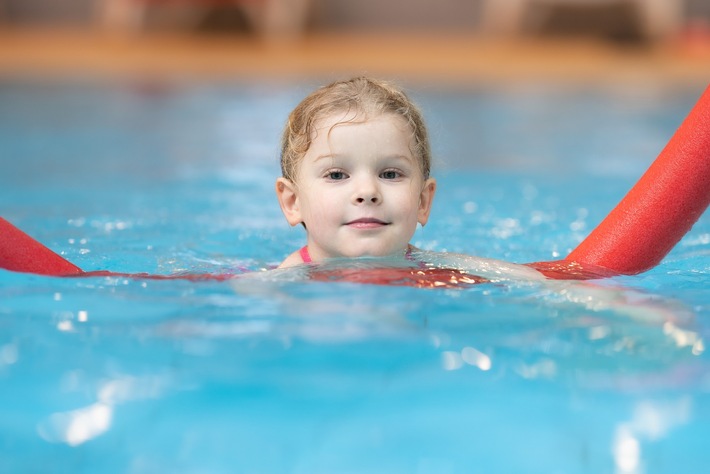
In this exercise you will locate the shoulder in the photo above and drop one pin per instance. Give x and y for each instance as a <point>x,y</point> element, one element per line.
<point>291,260</point>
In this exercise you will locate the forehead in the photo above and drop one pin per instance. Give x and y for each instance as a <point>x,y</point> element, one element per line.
<point>341,124</point>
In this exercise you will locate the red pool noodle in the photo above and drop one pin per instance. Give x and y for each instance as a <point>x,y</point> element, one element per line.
<point>661,207</point>
<point>21,253</point>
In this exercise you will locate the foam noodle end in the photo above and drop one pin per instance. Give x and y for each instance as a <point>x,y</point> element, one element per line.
<point>21,253</point>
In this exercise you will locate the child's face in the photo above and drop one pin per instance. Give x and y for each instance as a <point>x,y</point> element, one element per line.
<point>359,191</point>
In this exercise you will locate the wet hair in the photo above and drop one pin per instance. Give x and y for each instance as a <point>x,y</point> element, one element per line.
<point>364,96</point>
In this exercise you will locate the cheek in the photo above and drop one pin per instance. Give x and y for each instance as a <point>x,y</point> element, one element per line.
<point>409,200</point>
<point>320,212</point>
<point>322,207</point>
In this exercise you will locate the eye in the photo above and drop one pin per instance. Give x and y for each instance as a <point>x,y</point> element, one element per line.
<point>390,174</point>
<point>336,175</point>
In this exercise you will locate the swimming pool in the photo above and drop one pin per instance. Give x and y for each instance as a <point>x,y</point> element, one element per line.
<point>118,375</point>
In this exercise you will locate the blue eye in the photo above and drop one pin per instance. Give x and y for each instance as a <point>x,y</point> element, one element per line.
<point>336,175</point>
<point>390,174</point>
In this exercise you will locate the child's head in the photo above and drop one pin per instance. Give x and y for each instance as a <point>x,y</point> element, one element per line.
<point>356,162</point>
<point>357,98</point>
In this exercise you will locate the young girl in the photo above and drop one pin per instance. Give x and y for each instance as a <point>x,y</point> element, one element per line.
<point>355,159</point>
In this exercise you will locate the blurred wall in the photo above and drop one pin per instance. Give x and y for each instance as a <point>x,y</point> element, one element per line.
<point>324,15</point>
<point>48,12</point>
<point>697,9</point>
<point>385,15</point>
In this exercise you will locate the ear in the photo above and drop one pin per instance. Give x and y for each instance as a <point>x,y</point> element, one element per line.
<point>288,200</point>
<point>425,200</point>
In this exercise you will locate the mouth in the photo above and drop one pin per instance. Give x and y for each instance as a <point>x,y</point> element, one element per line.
<point>367,223</point>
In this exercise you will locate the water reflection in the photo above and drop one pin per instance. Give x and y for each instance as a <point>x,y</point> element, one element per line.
<point>650,421</point>
<point>9,354</point>
<point>454,360</point>
<point>75,427</point>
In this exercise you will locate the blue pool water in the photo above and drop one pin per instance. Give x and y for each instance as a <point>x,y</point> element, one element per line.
<point>274,375</point>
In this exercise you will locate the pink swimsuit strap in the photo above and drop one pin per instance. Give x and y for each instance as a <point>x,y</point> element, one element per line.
<point>305,256</point>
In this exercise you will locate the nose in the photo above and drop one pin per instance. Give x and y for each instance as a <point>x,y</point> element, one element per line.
<point>367,192</point>
<point>372,199</point>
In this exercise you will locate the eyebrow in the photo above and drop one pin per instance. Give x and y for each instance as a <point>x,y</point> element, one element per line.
<point>388,157</point>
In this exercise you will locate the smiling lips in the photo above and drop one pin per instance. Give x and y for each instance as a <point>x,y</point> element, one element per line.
<point>367,223</point>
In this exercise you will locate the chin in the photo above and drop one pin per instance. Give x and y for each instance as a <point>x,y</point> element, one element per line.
<point>375,252</point>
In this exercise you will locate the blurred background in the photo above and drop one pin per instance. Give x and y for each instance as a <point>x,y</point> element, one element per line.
<point>443,40</point>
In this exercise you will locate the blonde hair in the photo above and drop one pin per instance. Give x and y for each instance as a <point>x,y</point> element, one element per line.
<point>362,95</point>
